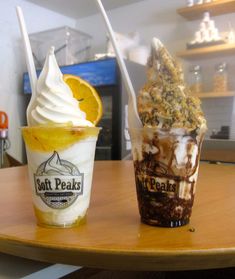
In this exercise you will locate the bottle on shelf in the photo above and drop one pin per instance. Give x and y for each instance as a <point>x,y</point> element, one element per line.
<point>220,80</point>
<point>189,3</point>
<point>195,79</point>
<point>231,34</point>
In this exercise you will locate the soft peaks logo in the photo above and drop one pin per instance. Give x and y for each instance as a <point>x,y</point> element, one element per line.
<point>158,184</point>
<point>58,182</point>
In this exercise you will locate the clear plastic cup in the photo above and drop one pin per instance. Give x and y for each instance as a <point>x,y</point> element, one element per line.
<point>60,166</point>
<point>166,166</point>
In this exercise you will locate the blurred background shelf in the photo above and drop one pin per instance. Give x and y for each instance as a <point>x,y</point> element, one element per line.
<point>215,8</point>
<point>218,150</point>
<point>207,95</point>
<point>196,53</point>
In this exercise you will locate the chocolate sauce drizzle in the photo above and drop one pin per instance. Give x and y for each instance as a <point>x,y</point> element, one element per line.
<point>161,207</point>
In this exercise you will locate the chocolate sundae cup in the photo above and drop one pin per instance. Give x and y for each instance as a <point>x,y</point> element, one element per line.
<point>166,151</point>
<point>166,163</point>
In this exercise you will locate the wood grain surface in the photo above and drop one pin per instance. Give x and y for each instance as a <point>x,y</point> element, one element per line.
<point>113,237</point>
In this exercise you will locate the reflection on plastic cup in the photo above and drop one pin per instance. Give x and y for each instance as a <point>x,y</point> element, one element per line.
<point>60,165</point>
<point>166,165</point>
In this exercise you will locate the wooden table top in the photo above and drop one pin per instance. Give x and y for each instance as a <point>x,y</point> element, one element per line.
<point>113,237</point>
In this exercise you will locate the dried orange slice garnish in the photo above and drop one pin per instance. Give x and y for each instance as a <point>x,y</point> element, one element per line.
<point>89,100</point>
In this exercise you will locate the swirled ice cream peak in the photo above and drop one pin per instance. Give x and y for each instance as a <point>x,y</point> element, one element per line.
<point>54,102</point>
<point>165,100</point>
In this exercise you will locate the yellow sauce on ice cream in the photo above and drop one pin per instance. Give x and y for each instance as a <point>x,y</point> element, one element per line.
<point>50,138</point>
<point>49,216</point>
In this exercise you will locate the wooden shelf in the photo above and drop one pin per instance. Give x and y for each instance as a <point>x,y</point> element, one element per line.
<point>207,95</point>
<point>224,49</point>
<point>215,8</point>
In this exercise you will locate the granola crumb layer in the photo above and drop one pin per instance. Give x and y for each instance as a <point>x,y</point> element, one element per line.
<point>165,101</point>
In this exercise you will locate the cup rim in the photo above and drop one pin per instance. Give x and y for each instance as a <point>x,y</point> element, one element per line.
<point>62,126</point>
<point>172,131</point>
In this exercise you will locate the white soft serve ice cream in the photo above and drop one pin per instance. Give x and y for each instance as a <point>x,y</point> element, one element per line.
<point>60,146</point>
<point>54,101</point>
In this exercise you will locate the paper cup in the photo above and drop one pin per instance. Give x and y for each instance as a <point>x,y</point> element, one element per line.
<point>166,165</point>
<point>60,166</point>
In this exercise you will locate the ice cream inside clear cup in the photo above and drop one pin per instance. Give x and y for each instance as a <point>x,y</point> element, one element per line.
<point>60,166</point>
<point>166,151</point>
<point>60,144</point>
<point>166,163</point>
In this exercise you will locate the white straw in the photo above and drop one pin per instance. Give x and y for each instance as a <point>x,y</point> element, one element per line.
<point>28,51</point>
<point>120,60</point>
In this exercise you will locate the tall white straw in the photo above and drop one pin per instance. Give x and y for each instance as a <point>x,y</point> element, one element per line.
<point>28,51</point>
<point>121,63</point>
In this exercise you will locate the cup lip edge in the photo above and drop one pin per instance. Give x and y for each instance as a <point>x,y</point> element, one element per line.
<point>169,130</point>
<point>60,127</point>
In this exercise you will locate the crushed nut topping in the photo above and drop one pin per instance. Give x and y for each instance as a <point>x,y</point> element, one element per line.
<point>165,99</point>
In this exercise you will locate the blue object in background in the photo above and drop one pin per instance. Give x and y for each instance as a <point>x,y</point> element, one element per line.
<point>97,73</point>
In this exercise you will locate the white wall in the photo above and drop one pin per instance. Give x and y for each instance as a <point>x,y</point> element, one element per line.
<point>12,62</point>
<point>149,17</point>
<point>159,18</point>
